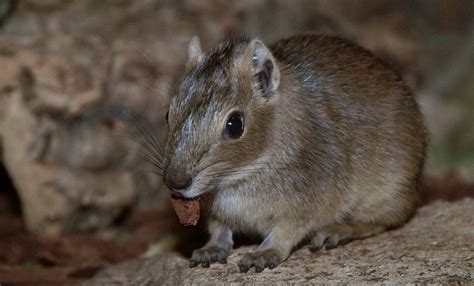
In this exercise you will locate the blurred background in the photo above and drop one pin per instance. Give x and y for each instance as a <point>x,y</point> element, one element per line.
<point>75,192</point>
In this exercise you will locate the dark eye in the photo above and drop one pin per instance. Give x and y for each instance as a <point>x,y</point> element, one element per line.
<point>234,127</point>
<point>167,113</point>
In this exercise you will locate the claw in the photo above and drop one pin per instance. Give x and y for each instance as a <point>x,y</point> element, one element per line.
<point>318,242</point>
<point>193,263</point>
<point>328,241</point>
<point>260,260</point>
<point>205,257</point>
<point>331,244</point>
<point>345,240</point>
<point>243,269</point>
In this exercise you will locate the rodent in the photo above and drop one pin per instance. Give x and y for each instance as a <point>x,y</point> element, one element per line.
<point>311,137</point>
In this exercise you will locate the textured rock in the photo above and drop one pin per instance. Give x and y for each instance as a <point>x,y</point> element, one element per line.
<point>73,167</point>
<point>61,158</point>
<point>436,246</point>
<point>53,193</point>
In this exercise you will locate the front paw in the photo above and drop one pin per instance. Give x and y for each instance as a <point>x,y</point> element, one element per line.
<point>260,260</point>
<point>208,255</point>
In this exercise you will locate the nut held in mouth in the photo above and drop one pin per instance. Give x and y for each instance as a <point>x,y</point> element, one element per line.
<point>187,210</point>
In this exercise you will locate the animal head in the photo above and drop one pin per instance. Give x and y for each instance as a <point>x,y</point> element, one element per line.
<point>220,116</point>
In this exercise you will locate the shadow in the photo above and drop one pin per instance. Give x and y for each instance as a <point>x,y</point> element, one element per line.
<point>9,200</point>
<point>449,188</point>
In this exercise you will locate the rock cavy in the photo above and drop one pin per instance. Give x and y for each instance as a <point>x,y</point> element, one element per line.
<point>310,137</point>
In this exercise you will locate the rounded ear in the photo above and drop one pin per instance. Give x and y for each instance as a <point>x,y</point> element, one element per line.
<point>264,66</point>
<point>194,53</point>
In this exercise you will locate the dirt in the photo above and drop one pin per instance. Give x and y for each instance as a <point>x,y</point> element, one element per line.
<point>435,246</point>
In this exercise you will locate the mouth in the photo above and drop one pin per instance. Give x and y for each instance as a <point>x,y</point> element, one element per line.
<point>177,196</point>
<point>185,196</point>
<point>198,188</point>
<point>188,195</point>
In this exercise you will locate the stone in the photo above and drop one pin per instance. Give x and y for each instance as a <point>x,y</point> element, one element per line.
<point>73,166</point>
<point>435,246</point>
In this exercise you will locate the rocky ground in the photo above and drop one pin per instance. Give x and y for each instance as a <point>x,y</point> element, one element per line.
<point>436,246</point>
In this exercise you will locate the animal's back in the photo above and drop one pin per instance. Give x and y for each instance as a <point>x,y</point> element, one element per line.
<point>375,122</point>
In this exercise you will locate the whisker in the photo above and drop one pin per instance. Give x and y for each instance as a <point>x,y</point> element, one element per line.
<point>144,55</point>
<point>271,171</point>
<point>146,132</point>
<point>151,161</point>
<point>147,146</point>
<point>144,138</point>
<point>255,166</point>
<point>147,171</point>
<point>144,150</point>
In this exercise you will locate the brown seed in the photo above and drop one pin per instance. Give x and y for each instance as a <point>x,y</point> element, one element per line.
<point>186,210</point>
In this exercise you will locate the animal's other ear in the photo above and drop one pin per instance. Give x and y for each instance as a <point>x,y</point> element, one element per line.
<point>194,53</point>
<point>264,66</point>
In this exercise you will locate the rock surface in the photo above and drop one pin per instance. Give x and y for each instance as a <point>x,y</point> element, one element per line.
<point>436,246</point>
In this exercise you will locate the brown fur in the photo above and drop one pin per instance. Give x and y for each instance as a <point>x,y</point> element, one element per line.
<point>333,149</point>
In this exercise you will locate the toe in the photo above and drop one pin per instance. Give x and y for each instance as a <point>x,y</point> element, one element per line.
<point>243,268</point>
<point>315,247</point>
<point>345,240</point>
<point>260,264</point>
<point>337,240</point>
<point>205,259</point>
<point>328,240</point>
<point>332,242</point>
<point>247,261</point>
<point>318,242</point>
<point>273,262</point>
<point>260,260</point>
<point>222,256</point>
<point>195,259</point>
<point>213,256</point>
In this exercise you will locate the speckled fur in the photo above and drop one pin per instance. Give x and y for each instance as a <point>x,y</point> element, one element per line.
<point>336,149</point>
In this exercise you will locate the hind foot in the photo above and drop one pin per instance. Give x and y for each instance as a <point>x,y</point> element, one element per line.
<point>332,236</point>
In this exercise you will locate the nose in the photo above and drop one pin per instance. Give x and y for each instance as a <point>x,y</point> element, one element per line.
<point>182,183</point>
<point>179,183</point>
